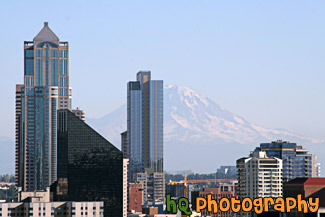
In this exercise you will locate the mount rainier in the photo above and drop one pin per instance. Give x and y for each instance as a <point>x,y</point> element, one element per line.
<point>199,134</point>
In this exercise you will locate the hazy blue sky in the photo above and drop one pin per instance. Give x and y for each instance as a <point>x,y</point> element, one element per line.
<point>263,60</point>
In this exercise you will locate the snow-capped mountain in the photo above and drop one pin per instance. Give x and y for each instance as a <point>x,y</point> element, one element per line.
<point>198,133</point>
<point>190,116</point>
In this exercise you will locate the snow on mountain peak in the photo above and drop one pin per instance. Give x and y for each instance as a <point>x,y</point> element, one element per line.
<point>192,121</point>
<point>189,96</point>
<point>191,117</point>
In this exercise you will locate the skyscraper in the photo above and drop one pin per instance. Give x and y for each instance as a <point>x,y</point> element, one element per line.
<point>145,123</point>
<point>90,168</point>
<point>45,90</point>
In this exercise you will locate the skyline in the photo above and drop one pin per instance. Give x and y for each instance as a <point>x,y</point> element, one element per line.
<point>163,86</point>
<point>254,55</point>
<point>288,44</point>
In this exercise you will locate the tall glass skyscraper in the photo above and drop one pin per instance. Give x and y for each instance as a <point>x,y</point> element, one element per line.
<point>145,123</point>
<point>45,90</point>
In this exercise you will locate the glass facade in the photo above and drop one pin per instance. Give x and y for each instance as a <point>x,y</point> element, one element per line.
<point>89,167</point>
<point>36,110</point>
<point>134,102</point>
<point>145,123</point>
<point>297,162</point>
<point>156,126</point>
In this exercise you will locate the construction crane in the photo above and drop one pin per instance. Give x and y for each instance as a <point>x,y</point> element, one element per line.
<point>186,182</point>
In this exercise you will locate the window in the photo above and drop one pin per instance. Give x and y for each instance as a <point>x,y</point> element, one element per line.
<point>39,53</point>
<point>54,72</point>
<point>63,67</point>
<point>54,53</point>
<point>29,67</point>
<point>29,53</point>
<point>63,53</point>
<point>63,82</point>
<point>39,72</point>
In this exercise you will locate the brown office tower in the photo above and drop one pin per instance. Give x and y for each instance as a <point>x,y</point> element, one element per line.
<point>45,90</point>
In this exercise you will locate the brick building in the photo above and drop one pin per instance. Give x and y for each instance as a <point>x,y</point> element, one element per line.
<point>135,197</point>
<point>216,194</point>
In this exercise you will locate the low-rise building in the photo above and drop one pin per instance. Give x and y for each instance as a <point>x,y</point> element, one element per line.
<point>176,190</point>
<point>307,188</point>
<point>227,170</point>
<point>153,186</point>
<point>52,209</point>
<point>216,194</point>
<point>38,204</point>
<point>135,197</point>
<point>155,215</point>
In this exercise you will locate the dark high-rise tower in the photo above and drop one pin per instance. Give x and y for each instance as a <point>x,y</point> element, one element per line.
<point>45,90</point>
<point>89,167</point>
<point>145,123</point>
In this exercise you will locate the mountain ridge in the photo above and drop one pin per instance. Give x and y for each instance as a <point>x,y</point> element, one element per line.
<point>192,121</point>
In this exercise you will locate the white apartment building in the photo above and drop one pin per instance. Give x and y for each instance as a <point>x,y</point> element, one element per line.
<point>259,176</point>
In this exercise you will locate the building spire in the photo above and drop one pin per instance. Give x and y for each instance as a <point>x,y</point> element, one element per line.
<point>46,33</point>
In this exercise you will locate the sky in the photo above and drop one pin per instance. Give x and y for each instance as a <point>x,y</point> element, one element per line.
<point>262,60</point>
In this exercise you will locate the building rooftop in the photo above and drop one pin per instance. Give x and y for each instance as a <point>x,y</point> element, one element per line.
<point>46,33</point>
<point>307,181</point>
<point>315,181</point>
